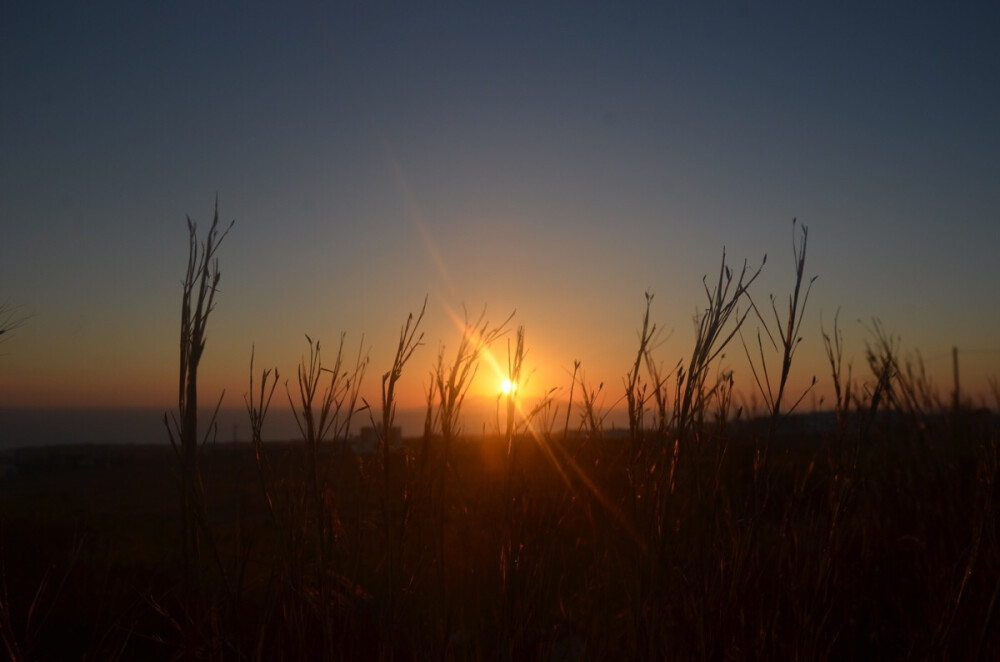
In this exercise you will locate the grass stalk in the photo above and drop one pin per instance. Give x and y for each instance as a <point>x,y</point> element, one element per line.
<point>789,339</point>
<point>451,385</point>
<point>394,528</point>
<point>198,289</point>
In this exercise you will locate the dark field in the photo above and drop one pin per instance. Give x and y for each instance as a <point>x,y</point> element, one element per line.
<point>869,532</point>
<point>584,549</point>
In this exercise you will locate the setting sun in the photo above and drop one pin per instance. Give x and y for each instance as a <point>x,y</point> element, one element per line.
<point>508,387</point>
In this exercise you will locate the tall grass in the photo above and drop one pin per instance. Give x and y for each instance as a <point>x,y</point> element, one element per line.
<point>398,571</point>
<point>452,382</point>
<point>199,286</point>
<point>11,319</point>
<point>700,532</point>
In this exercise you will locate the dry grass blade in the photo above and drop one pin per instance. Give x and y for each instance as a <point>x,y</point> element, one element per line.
<point>569,402</point>
<point>199,287</point>
<point>257,409</point>
<point>409,341</point>
<point>338,402</point>
<point>789,336</point>
<point>723,304</point>
<point>635,392</point>
<point>834,347</point>
<point>594,409</point>
<point>452,382</point>
<point>10,319</point>
<point>393,525</point>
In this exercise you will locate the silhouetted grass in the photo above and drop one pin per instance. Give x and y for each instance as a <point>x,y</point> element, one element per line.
<point>869,532</point>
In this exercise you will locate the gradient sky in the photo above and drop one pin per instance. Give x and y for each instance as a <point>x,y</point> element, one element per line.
<point>556,160</point>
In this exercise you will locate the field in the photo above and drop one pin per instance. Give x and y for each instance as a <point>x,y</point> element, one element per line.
<point>490,556</point>
<point>699,532</point>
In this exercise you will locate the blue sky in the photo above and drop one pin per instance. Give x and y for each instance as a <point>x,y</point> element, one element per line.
<point>559,160</point>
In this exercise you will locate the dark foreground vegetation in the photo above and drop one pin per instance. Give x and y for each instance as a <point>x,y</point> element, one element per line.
<point>896,556</point>
<point>868,533</point>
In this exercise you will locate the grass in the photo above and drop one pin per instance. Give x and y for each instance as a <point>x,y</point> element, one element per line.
<point>704,534</point>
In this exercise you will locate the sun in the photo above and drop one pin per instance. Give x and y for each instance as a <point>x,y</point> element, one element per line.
<point>508,387</point>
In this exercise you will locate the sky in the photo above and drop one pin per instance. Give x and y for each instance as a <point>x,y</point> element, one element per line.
<point>556,161</point>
